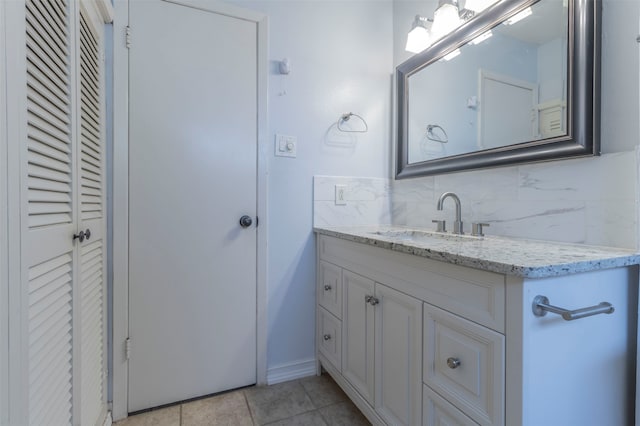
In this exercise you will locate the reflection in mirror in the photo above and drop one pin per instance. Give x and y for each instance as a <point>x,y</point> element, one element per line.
<point>506,86</point>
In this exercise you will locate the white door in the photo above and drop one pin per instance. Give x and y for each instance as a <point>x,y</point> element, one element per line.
<point>92,217</point>
<point>193,155</point>
<point>508,112</point>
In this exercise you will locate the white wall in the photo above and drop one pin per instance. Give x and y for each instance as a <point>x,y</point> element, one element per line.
<point>341,56</point>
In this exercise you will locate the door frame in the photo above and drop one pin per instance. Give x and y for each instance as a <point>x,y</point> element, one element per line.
<point>119,232</point>
<point>4,238</point>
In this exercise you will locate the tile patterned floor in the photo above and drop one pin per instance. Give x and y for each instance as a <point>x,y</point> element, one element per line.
<point>312,401</point>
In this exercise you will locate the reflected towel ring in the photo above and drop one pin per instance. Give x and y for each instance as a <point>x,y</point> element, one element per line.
<point>346,117</point>
<point>435,136</point>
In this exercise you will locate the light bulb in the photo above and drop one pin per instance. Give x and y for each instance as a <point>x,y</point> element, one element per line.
<point>418,38</point>
<point>445,20</point>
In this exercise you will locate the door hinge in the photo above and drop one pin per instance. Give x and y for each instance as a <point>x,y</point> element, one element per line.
<point>127,349</point>
<point>127,36</point>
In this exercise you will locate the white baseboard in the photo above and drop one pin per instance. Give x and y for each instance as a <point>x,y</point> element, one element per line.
<point>291,371</point>
<point>108,421</point>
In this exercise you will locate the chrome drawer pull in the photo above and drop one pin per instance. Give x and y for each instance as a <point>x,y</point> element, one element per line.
<point>327,337</point>
<point>327,287</point>
<point>453,363</point>
<point>541,306</point>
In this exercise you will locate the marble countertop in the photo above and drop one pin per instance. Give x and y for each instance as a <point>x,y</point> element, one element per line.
<point>512,256</point>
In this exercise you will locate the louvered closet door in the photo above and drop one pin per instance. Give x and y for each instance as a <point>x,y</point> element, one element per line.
<point>55,86</point>
<point>92,218</point>
<point>48,248</point>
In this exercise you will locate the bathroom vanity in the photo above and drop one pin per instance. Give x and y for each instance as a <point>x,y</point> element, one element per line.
<point>424,328</point>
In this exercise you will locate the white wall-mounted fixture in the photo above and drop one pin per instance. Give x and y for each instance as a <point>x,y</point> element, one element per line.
<point>286,146</point>
<point>285,66</point>
<point>448,16</point>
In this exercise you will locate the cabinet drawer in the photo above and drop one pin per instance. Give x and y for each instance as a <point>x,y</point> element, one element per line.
<point>437,411</point>
<point>330,337</point>
<point>471,293</point>
<point>464,362</point>
<point>330,288</point>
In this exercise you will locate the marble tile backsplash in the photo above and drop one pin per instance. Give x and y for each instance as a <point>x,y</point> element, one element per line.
<point>368,201</point>
<point>589,200</point>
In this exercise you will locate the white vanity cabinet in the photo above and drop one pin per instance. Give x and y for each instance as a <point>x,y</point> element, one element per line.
<point>427,342</point>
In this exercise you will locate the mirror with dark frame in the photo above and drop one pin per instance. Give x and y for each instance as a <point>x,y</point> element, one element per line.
<point>517,82</point>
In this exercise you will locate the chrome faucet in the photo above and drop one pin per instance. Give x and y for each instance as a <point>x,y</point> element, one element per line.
<point>457,225</point>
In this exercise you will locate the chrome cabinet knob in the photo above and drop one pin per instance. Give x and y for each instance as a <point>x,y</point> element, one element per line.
<point>367,299</point>
<point>327,287</point>
<point>453,363</point>
<point>327,337</point>
<point>87,233</point>
<point>374,301</point>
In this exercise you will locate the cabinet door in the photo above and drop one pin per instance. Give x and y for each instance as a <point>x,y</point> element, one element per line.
<point>330,288</point>
<point>357,333</point>
<point>398,351</point>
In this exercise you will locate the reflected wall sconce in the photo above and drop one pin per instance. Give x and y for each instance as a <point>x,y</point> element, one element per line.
<point>448,16</point>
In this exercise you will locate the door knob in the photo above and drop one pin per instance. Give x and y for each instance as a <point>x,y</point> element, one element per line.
<point>82,235</point>
<point>245,221</point>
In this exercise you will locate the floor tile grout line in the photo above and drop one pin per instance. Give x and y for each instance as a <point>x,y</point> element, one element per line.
<point>246,401</point>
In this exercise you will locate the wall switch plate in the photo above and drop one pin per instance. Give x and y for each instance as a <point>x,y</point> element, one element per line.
<point>286,146</point>
<point>341,196</point>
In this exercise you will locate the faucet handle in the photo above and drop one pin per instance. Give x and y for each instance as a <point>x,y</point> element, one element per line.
<point>476,229</point>
<point>440,225</point>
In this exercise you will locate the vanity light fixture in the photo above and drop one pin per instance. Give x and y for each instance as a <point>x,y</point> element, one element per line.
<point>448,16</point>
<point>419,37</point>
<point>518,16</point>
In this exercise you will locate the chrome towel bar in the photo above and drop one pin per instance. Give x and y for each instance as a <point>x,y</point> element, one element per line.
<point>541,306</point>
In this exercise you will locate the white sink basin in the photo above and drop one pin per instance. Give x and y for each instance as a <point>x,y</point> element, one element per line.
<point>420,236</point>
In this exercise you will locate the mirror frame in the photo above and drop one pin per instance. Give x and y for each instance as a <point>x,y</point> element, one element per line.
<point>583,94</point>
